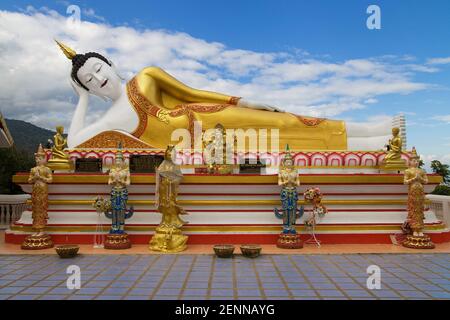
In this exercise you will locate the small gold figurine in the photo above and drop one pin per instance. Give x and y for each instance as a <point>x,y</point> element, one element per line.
<point>60,159</point>
<point>415,178</point>
<point>168,236</point>
<point>40,176</point>
<point>393,159</point>
<point>216,150</point>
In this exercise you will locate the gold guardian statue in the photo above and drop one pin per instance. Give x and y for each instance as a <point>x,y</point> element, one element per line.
<point>40,177</point>
<point>168,236</point>
<point>415,178</point>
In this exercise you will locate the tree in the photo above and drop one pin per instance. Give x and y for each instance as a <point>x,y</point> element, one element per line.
<point>421,163</point>
<point>441,169</point>
<point>11,162</point>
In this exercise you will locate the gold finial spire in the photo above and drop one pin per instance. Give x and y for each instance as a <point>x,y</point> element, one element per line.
<point>40,151</point>
<point>414,154</point>
<point>68,52</point>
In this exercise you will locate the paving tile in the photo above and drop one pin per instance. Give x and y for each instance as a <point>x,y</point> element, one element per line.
<point>35,290</point>
<point>24,297</point>
<point>171,284</point>
<point>195,292</point>
<point>358,293</point>
<point>108,298</point>
<point>385,294</point>
<point>248,292</point>
<point>299,285</point>
<point>222,285</point>
<point>60,291</point>
<point>132,297</point>
<point>96,284</point>
<point>176,298</point>
<point>272,285</point>
<point>81,297</point>
<point>168,292</point>
<point>413,294</point>
<point>327,286</point>
<point>88,291</point>
<point>11,290</point>
<point>439,294</point>
<point>402,286</point>
<point>222,292</point>
<point>303,293</point>
<point>350,286</point>
<point>196,285</point>
<point>141,291</point>
<point>330,293</point>
<point>276,293</point>
<point>115,291</point>
<point>52,297</point>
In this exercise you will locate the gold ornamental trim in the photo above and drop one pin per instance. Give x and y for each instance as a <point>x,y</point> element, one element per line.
<point>231,228</point>
<point>274,202</point>
<point>234,179</point>
<point>110,139</point>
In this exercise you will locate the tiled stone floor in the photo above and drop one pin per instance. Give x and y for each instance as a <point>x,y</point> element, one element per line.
<point>403,276</point>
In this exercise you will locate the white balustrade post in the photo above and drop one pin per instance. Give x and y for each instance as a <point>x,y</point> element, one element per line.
<point>11,208</point>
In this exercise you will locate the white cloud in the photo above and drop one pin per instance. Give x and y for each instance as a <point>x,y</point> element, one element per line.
<point>442,118</point>
<point>34,84</point>
<point>445,60</point>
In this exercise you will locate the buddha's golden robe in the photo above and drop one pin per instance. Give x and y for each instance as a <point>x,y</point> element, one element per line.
<point>164,104</point>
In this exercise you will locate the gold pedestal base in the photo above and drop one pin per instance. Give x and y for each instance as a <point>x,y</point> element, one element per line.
<point>59,165</point>
<point>418,242</point>
<point>289,241</point>
<point>117,241</point>
<point>395,165</point>
<point>37,242</point>
<point>169,240</point>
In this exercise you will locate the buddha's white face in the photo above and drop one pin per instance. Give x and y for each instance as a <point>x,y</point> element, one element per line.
<point>100,78</point>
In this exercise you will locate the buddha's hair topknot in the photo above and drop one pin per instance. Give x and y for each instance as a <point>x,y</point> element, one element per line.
<point>79,60</point>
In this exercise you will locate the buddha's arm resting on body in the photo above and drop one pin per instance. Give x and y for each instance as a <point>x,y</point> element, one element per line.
<point>165,82</point>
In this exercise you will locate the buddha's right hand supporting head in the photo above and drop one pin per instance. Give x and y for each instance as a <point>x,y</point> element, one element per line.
<point>81,92</point>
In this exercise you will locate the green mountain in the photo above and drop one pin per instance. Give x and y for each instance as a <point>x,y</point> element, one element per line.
<point>27,136</point>
<point>20,158</point>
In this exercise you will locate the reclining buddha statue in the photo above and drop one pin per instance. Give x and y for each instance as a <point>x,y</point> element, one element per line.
<point>146,110</point>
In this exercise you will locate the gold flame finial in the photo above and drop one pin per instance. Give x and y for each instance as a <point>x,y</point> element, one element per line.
<point>40,152</point>
<point>68,52</point>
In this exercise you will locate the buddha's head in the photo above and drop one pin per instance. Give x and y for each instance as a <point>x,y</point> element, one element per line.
<point>168,155</point>
<point>40,156</point>
<point>60,129</point>
<point>414,162</point>
<point>94,73</point>
<point>288,161</point>
<point>395,131</point>
<point>119,162</point>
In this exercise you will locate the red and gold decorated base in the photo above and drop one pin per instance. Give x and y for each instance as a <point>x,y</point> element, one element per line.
<point>37,242</point>
<point>418,242</point>
<point>289,241</point>
<point>117,241</point>
<point>236,208</point>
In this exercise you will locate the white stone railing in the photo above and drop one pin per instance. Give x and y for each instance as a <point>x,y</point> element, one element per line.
<point>11,208</point>
<point>441,207</point>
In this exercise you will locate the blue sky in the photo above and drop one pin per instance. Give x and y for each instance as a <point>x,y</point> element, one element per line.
<point>412,33</point>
